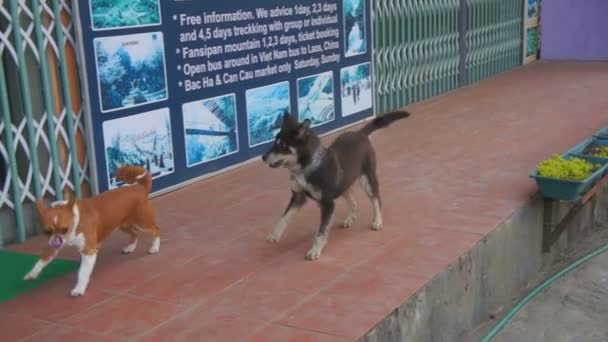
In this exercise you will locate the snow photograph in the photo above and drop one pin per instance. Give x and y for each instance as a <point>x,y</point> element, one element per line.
<point>354,27</point>
<point>265,108</point>
<point>210,129</point>
<point>532,9</point>
<point>130,70</point>
<point>531,41</point>
<point>356,88</point>
<point>141,139</point>
<point>316,98</point>
<point>114,14</point>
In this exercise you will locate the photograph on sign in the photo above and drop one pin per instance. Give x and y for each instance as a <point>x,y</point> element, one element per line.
<point>532,9</point>
<point>141,139</point>
<point>265,108</point>
<point>354,27</point>
<point>356,89</point>
<point>316,98</point>
<point>130,70</point>
<point>115,14</point>
<point>210,128</point>
<point>531,41</point>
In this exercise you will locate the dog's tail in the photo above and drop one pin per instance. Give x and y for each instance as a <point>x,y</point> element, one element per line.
<point>384,121</point>
<point>134,174</point>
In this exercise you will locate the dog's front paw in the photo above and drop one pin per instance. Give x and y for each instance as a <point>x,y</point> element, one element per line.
<point>77,292</point>
<point>130,248</point>
<point>273,237</point>
<point>30,276</point>
<point>376,226</point>
<point>313,254</point>
<point>348,222</point>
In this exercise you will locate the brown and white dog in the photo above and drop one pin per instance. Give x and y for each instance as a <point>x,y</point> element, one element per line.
<point>324,174</point>
<point>84,224</point>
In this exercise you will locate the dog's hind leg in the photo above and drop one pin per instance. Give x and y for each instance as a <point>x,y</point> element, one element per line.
<point>327,210</point>
<point>129,229</point>
<point>369,183</point>
<point>153,229</point>
<point>147,221</point>
<point>298,199</point>
<point>155,246</point>
<point>351,215</point>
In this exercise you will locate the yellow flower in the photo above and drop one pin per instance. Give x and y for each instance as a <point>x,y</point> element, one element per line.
<point>573,168</point>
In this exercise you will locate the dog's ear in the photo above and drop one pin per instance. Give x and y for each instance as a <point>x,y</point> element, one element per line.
<point>304,129</point>
<point>40,207</point>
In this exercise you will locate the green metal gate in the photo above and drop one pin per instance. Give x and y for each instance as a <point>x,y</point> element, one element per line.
<point>42,149</point>
<point>423,48</point>
<point>415,50</point>
<point>494,37</point>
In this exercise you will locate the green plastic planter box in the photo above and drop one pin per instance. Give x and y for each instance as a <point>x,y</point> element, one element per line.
<point>579,148</point>
<point>602,134</point>
<point>568,189</point>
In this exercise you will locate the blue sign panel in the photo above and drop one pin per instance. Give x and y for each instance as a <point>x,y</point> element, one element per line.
<point>190,87</point>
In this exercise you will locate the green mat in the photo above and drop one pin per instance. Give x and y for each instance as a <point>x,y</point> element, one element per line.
<point>14,266</point>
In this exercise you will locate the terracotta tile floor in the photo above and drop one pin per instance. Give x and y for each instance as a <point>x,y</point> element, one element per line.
<point>449,175</point>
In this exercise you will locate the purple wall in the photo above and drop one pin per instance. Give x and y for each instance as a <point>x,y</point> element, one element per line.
<point>574,29</point>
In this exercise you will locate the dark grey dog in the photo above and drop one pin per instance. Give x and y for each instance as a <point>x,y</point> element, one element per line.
<point>324,174</point>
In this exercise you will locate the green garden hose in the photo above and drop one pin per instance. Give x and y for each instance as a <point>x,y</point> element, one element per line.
<point>501,324</point>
